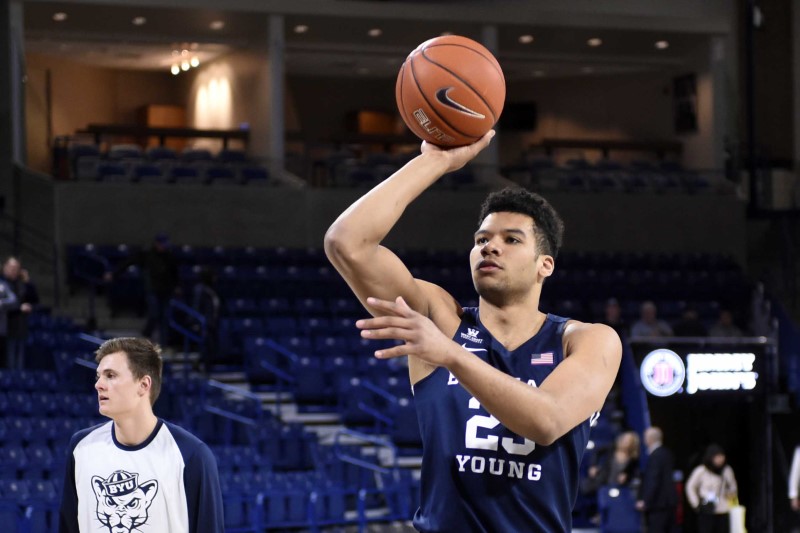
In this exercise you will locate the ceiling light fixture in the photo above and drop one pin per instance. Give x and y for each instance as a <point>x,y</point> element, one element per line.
<point>375,32</point>
<point>194,61</point>
<point>594,42</point>
<point>139,21</point>
<point>217,24</point>
<point>301,28</point>
<point>185,66</point>
<point>175,69</point>
<point>662,45</point>
<point>60,16</point>
<point>526,39</point>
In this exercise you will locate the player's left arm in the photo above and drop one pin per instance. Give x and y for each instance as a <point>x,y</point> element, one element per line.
<point>203,493</point>
<point>575,389</point>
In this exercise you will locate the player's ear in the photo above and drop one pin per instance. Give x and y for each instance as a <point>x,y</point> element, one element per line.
<point>546,265</point>
<point>145,384</point>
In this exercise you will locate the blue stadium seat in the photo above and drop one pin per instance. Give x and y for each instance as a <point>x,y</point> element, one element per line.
<point>221,174</point>
<point>228,155</point>
<point>110,171</point>
<point>618,512</point>
<point>12,459</point>
<point>254,175</point>
<point>43,506</point>
<point>161,153</point>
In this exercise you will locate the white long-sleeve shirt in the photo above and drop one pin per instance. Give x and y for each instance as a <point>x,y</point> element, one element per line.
<point>794,474</point>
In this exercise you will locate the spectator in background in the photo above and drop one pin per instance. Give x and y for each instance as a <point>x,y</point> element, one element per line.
<point>206,301</point>
<point>620,468</point>
<point>160,273</point>
<point>27,297</point>
<point>648,324</point>
<point>658,498</point>
<point>709,488</point>
<point>8,302</point>
<point>612,316</point>
<point>689,325</point>
<point>725,326</point>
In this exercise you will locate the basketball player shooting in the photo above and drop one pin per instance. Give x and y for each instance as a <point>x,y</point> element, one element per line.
<point>504,392</point>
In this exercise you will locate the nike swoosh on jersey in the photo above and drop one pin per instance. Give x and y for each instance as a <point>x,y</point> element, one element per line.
<point>444,98</point>
<point>472,349</point>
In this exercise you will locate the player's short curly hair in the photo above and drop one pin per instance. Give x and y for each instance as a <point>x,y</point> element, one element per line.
<point>547,225</point>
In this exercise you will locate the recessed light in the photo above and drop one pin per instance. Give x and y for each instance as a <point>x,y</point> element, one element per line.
<point>194,61</point>
<point>662,45</point>
<point>194,46</point>
<point>594,42</point>
<point>526,39</point>
<point>60,16</point>
<point>217,24</point>
<point>185,65</point>
<point>375,32</point>
<point>175,69</point>
<point>139,21</point>
<point>301,28</point>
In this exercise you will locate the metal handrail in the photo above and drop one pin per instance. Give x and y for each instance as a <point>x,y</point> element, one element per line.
<point>191,313</point>
<point>230,415</point>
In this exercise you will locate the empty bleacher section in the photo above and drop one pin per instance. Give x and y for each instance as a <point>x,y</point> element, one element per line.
<point>130,163</point>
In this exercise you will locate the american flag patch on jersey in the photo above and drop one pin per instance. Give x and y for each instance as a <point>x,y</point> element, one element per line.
<point>542,358</point>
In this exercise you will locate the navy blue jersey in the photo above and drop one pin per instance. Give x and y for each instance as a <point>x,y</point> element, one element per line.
<point>167,484</point>
<point>476,474</point>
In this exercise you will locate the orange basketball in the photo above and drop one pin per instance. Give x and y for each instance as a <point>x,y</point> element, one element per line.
<point>450,91</point>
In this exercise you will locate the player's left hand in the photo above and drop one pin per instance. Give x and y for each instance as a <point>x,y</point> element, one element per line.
<point>421,336</point>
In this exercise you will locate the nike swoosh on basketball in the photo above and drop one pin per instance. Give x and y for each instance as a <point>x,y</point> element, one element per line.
<point>472,349</point>
<point>444,98</point>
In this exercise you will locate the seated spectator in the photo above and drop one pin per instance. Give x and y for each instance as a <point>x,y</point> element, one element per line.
<point>690,325</point>
<point>648,324</point>
<point>725,326</point>
<point>612,316</point>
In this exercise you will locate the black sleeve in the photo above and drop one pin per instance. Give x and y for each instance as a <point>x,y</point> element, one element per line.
<point>68,513</point>
<point>203,493</point>
<point>31,294</point>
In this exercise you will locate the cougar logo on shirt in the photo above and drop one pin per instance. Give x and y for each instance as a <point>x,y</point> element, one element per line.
<point>122,502</point>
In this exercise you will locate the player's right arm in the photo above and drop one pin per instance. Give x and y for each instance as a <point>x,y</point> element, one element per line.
<point>353,242</point>
<point>68,511</point>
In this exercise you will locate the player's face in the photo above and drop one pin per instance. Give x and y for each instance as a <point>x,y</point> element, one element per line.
<point>504,259</point>
<point>118,392</point>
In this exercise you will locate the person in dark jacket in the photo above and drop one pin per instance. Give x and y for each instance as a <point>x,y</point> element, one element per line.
<point>160,273</point>
<point>206,301</point>
<point>657,497</point>
<point>19,282</point>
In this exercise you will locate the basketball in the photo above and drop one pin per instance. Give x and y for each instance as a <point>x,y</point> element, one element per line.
<point>450,91</point>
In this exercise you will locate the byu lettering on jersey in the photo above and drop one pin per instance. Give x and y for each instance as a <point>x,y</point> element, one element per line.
<point>475,471</point>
